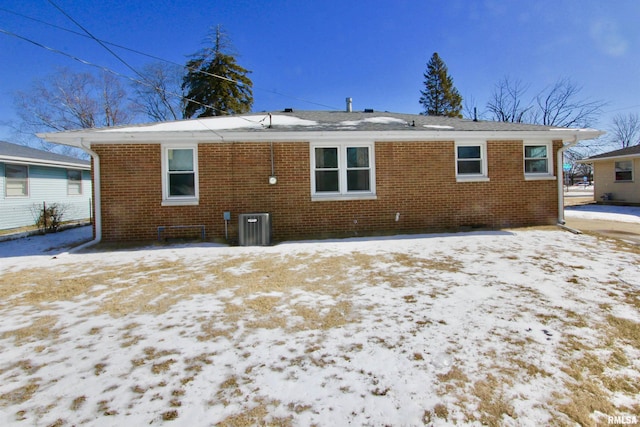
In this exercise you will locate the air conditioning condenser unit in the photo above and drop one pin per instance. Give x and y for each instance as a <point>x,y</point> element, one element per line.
<point>254,229</point>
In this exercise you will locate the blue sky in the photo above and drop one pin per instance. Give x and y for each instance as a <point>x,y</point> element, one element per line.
<point>320,52</point>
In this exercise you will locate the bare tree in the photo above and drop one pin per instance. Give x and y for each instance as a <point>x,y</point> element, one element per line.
<point>506,104</point>
<point>559,105</point>
<point>625,131</point>
<point>68,100</point>
<point>159,96</point>
<point>113,99</point>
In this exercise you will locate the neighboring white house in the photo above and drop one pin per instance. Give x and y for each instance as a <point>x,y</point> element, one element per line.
<point>615,175</point>
<point>30,177</point>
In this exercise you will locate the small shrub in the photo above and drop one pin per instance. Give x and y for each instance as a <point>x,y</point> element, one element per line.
<point>48,218</point>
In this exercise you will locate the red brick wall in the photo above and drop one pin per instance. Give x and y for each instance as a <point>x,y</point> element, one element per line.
<point>415,179</point>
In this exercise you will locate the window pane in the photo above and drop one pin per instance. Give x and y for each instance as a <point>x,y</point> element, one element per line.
<point>357,157</point>
<point>624,170</point>
<point>624,176</point>
<point>181,160</point>
<point>472,152</point>
<point>326,158</point>
<point>182,184</point>
<point>327,181</point>
<point>74,188</point>
<point>536,166</point>
<point>469,167</point>
<point>16,171</point>
<point>358,180</point>
<point>535,151</point>
<point>74,175</point>
<point>17,181</point>
<point>17,187</point>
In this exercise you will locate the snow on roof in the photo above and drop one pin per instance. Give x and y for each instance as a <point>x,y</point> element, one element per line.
<point>219,123</point>
<point>378,120</point>
<point>437,127</point>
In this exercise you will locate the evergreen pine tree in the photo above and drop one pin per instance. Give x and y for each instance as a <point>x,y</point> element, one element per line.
<point>440,97</point>
<point>215,84</point>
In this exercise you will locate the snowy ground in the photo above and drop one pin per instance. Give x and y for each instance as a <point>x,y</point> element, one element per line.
<point>516,327</point>
<point>629,214</point>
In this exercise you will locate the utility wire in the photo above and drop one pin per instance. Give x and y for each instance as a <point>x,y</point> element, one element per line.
<point>97,41</point>
<point>138,52</point>
<point>115,73</point>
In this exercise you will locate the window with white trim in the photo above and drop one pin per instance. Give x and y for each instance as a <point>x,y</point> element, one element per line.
<point>16,180</point>
<point>471,161</point>
<point>624,171</point>
<point>74,182</point>
<point>343,171</point>
<point>180,175</point>
<point>538,160</point>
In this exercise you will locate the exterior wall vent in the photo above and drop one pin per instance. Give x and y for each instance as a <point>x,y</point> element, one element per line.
<point>254,229</point>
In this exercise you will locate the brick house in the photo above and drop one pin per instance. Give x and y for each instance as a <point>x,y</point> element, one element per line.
<point>615,175</point>
<point>322,174</point>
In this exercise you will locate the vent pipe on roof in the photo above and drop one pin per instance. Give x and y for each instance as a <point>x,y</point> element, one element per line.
<point>349,102</point>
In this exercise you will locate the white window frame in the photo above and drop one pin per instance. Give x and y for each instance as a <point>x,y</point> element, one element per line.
<point>615,177</point>
<point>532,176</point>
<point>473,177</point>
<point>167,199</point>
<point>74,183</point>
<point>343,193</point>
<point>7,181</point>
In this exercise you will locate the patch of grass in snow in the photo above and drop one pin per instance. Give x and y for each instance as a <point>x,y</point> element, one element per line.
<point>41,329</point>
<point>257,415</point>
<point>593,377</point>
<point>493,405</point>
<point>625,330</point>
<point>77,403</point>
<point>22,393</point>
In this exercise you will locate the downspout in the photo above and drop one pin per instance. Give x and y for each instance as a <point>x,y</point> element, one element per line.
<point>560,174</point>
<point>97,199</point>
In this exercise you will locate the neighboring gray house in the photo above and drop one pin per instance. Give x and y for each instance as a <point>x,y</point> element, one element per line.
<point>30,177</point>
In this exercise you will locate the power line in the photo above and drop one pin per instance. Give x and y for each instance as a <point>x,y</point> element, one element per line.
<point>115,73</point>
<point>138,52</point>
<point>98,41</point>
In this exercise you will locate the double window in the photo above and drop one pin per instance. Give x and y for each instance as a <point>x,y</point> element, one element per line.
<point>624,171</point>
<point>16,180</point>
<point>74,182</point>
<point>471,161</point>
<point>180,175</point>
<point>342,171</point>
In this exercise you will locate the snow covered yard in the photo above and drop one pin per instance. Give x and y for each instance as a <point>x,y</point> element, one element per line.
<point>518,327</point>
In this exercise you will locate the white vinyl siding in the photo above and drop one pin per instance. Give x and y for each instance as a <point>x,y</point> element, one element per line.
<point>47,185</point>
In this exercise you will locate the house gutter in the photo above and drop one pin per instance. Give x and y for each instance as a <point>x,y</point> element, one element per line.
<point>97,201</point>
<point>560,174</point>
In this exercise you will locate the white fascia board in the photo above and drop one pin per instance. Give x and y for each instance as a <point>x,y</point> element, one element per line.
<point>113,137</point>
<point>41,162</point>
<point>604,159</point>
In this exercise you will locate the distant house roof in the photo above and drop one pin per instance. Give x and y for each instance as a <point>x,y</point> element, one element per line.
<point>633,151</point>
<point>14,153</point>
<point>295,125</point>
